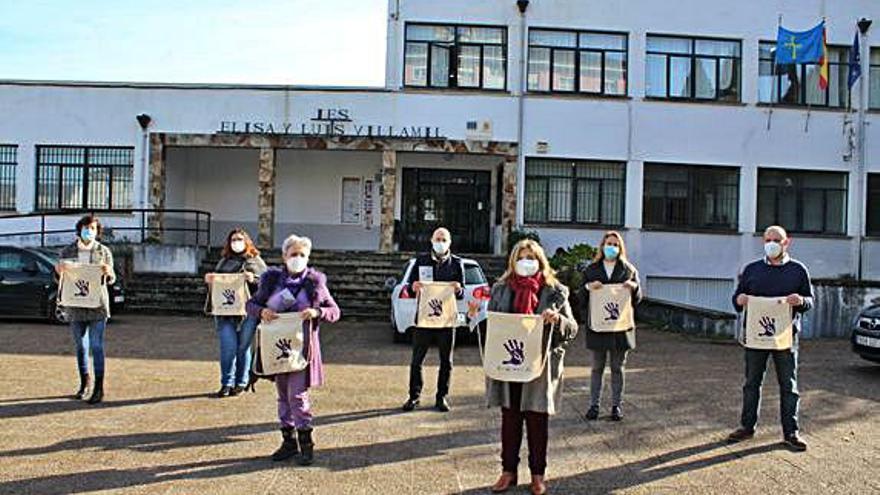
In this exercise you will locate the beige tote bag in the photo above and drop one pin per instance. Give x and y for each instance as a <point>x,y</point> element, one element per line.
<point>229,294</point>
<point>81,286</point>
<point>280,346</point>
<point>436,306</point>
<point>514,350</point>
<point>769,324</point>
<point>611,309</point>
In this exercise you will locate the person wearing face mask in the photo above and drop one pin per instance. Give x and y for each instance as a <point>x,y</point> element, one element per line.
<point>530,286</point>
<point>296,287</point>
<point>440,265</point>
<point>775,275</point>
<point>235,333</point>
<point>87,324</point>
<point>610,266</point>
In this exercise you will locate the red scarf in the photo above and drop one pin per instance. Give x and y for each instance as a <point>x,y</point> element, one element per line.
<point>526,292</point>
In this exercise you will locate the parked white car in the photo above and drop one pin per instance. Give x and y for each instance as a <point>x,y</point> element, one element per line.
<point>403,305</point>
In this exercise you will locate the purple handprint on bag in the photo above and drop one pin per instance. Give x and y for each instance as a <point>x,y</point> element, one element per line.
<point>516,350</point>
<point>82,288</point>
<point>769,326</point>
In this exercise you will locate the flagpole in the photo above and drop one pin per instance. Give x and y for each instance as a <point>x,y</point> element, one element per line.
<point>860,196</point>
<point>773,72</point>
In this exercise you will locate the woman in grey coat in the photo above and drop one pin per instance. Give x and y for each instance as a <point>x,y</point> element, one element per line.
<point>87,324</point>
<point>529,286</point>
<point>610,266</point>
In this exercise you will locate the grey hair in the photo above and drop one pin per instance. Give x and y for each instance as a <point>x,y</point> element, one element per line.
<point>295,240</point>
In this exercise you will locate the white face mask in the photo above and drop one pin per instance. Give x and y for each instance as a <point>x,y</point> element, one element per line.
<point>296,264</point>
<point>237,246</point>
<point>772,249</point>
<point>526,267</point>
<point>441,247</point>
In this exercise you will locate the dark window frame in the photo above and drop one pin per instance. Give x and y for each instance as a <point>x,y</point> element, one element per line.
<point>8,179</point>
<point>86,168</point>
<point>801,72</point>
<point>799,190</point>
<point>872,204</point>
<point>575,181</point>
<point>692,56</point>
<point>872,67</point>
<point>689,223</point>
<point>577,61</point>
<point>453,47</point>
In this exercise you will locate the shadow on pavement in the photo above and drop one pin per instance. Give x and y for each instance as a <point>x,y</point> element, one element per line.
<point>65,404</point>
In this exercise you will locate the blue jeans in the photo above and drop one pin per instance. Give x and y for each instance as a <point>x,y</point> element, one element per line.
<point>89,336</point>
<point>786,363</point>
<point>235,334</point>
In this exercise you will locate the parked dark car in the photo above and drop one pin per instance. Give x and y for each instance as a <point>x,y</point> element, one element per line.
<point>28,286</point>
<point>866,334</point>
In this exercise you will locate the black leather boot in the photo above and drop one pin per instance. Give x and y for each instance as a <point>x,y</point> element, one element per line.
<point>98,391</point>
<point>84,381</point>
<point>307,447</point>
<point>288,446</point>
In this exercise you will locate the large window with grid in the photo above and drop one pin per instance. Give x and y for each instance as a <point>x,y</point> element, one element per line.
<point>693,68</point>
<point>574,192</point>
<point>872,224</point>
<point>455,56</point>
<point>798,84</point>
<point>874,79</point>
<point>8,163</point>
<point>805,202</point>
<point>691,197</point>
<point>84,177</point>
<point>586,62</point>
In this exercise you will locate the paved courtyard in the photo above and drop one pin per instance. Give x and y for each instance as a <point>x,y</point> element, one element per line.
<point>160,432</point>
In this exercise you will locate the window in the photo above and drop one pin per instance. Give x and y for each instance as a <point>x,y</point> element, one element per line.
<point>689,196</point>
<point>806,202</point>
<point>473,275</point>
<point>80,177</point>
<point>577,62</point>
<point>874,79</point>
<point>693,68</point>
<point>13,261</point>
<point>872,226</point>
<point>8,161</point>
<point>579,192</point>
<point>798,84</point>
<point>445,56</point>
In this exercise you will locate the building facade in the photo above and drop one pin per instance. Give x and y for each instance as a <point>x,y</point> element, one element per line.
<point>668,121</point>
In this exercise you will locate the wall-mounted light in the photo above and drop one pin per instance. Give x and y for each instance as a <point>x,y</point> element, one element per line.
<point>864,23</point>
<point>144,120</point>
<point>522,5</point>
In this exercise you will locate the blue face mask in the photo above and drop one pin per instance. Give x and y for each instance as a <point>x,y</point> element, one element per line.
<point>87,235</point>
<point>611,252</point>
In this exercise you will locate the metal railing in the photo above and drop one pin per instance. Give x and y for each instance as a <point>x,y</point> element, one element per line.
<point>201,228</point>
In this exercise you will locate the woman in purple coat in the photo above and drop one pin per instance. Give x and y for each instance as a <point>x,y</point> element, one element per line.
<point>296,288</point>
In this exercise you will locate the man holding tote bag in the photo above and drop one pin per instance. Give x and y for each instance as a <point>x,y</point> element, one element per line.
<point>765,285</point>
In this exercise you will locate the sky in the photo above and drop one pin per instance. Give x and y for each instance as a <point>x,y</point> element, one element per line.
<point>304,42</point>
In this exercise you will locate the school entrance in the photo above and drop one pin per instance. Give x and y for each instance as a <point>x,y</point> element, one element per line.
<point>459,200</point>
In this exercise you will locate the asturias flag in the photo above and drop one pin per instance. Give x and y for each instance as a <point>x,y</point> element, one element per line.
<point>800,47</point>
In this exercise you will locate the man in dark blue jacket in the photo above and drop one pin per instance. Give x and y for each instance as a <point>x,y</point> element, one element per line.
<point>776,275</point>
<point>440,265</point>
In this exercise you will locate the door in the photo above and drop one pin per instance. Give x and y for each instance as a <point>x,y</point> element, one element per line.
<point>456,199</point>
<point>22,283</point>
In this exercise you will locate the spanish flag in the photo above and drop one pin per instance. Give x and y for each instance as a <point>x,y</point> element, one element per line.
<point>823,64</point>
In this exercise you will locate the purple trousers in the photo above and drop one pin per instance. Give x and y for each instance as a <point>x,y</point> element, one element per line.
<point>294,405</point>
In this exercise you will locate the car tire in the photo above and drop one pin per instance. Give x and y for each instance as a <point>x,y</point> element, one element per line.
<point>56,315</point>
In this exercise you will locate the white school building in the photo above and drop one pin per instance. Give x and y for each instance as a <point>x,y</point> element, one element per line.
<point>667,121</point>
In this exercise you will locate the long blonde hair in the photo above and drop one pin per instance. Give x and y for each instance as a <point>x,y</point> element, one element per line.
<point>543,263</point>
<point>600,253</point>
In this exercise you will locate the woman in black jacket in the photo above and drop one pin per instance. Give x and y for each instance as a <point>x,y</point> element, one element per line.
<point>610,266</point>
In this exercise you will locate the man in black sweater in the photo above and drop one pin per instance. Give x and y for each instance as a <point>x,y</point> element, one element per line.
<point>776,275</point>
<point>440,265</point>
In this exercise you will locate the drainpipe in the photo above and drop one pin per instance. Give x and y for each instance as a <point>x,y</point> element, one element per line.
<point>522,5</point>
<point>860,195</point>
<point>144,123</point>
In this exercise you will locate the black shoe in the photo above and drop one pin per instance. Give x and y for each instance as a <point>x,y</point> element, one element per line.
<point>616,413</point>
<point>236,391</point>
<point>795,443</point>
<point>307,446</point>
<point>98,391</point>
<point>84,381</point>
<point>442,404</point>
<point>224,391</point>
<point>740,434</point>
<point>288,446</point>
<point>410,404</point>
<point>592,413</point>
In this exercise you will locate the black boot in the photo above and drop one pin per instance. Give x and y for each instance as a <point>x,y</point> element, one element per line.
<point>84,380</point>
<point>288,446</point>
<point>307,447</point>
<point>98,391</point>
